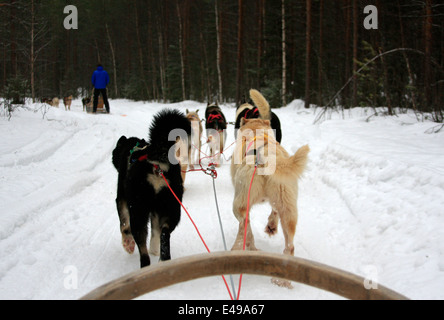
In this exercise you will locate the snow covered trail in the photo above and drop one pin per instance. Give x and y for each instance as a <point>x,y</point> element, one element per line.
<point>371,202</point>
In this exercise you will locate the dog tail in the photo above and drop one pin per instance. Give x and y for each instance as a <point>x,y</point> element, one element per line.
<point>261,103</point>
<point>293,167</point>
<point>168,127</point>
<point>166,124</point>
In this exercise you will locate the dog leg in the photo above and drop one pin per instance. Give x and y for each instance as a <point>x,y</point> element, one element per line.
<point>165,244</point>
<point>239,242</point>
<point>192,157</point>
<point>139,227</point>
<point>143,251</point>
<point>272,226</point>
<point>184,169</point>
<point>221,148</point>
<point>289,227</point>
<point>155,236</point>
<point>288,222</point>
<point>127,238</point>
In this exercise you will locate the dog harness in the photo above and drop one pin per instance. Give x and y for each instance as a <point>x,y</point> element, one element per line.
<point>212,117</point>
<point>254,113</point>
<point>137,148</point>
<point>157,170</point>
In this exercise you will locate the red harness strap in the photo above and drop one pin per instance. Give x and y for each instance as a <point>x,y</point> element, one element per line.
<point>255,111</point>
<point>213,117</point>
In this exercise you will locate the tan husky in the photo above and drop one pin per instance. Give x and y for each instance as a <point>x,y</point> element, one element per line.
<point>275,181</point>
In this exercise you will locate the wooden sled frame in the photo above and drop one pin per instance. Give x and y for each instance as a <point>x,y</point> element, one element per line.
<point>299,270</point>
<point>100,105</point>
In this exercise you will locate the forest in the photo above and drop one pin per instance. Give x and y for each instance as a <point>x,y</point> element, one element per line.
<point>215,50</point>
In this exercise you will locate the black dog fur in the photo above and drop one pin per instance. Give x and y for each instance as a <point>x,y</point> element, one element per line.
<point>215,121</point>
<point>250,111</point>
<point>142,194</point>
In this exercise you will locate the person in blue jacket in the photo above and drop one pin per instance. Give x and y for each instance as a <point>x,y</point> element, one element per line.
<point>100,80</point>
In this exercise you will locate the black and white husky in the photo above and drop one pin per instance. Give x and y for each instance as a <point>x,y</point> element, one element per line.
<point>142,193</point>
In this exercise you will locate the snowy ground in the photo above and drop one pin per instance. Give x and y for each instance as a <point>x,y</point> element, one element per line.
<point>371,202</point>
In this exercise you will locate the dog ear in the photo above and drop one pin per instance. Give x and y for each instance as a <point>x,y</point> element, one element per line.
<point>267,123</point>
<point>122,140</point>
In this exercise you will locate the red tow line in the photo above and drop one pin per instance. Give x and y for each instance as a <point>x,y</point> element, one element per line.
<point>246,227</point>
<point>213,173</point>
<point>192,221</point>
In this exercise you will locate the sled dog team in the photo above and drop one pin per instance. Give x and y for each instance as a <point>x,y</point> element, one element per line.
<point>151,175</point>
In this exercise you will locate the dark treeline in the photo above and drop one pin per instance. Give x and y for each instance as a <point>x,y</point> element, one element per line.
<point>173,50</point>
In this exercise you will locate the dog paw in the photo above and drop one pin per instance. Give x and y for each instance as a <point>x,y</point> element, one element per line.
<point>128,243</point>
<point>271,229</point>
<point>282,283</point>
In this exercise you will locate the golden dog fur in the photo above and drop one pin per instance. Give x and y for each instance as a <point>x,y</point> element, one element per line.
<point>277,184</point>
<point>196,137</point>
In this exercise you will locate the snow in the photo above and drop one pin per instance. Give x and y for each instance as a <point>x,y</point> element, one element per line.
<point>371,202</point>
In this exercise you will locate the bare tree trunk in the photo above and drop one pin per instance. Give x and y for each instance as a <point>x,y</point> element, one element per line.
<point>31,55</point>
<point>406,58</point>
<point>13,39</point>
<point>114,60</point>
<point>346,96</point>
<point>219,51</point>
<point>260,44</point>
<point>386,85</point>
<point>151,59</point>
<point>162,65</point>
<point>139,48</point>
<point>321,51</point>
<point>381,49</point>
<point>428,53</point>
<point>182,61</point>
<point>355,52</point>
<point>284,58</point>
<point>308,55</point>
<point>240,52</point>
<point>99,58</point>
<point>205,73</point>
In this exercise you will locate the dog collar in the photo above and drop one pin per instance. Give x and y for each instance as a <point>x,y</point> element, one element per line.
<point>265,137</point>
<point>141,158</point>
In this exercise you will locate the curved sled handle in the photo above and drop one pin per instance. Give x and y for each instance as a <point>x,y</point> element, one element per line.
<point>299,270</point>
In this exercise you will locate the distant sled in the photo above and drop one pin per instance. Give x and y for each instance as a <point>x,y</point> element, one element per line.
<point>100,105</point>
